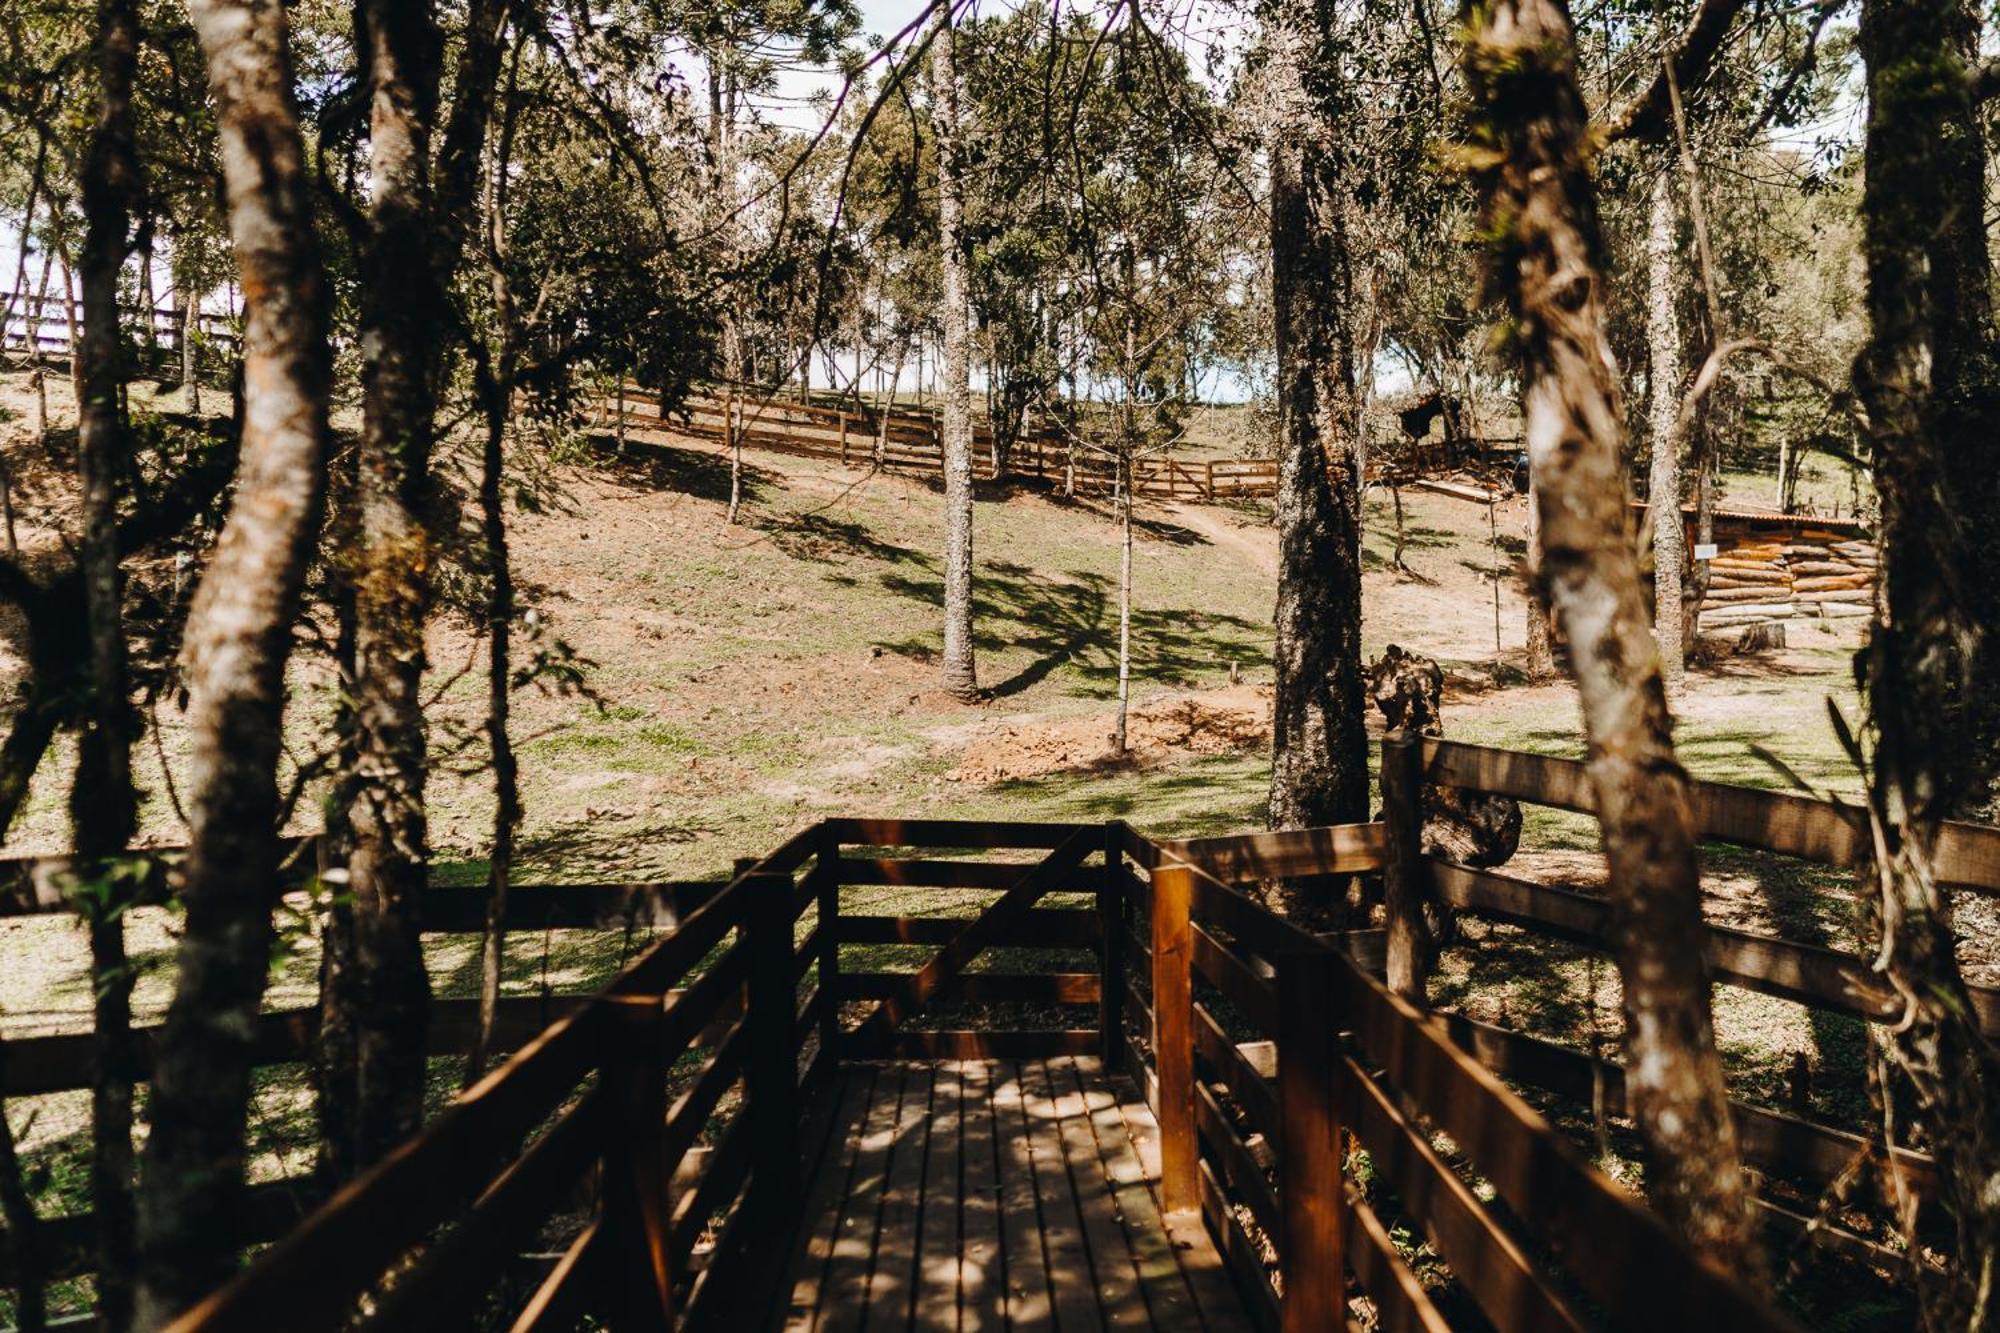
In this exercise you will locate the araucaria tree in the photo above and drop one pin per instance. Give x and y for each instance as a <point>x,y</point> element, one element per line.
<point>1319,750</point>
<point>1530,151</point>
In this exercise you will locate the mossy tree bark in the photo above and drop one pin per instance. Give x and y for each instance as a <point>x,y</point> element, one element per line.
<point>1530,148</point>
<point>238,637</point>
<point>1319,746</point>
<point>961,676</point>
<point>1926,375</point>
<point>1663,386</point>
<point>103,805</point>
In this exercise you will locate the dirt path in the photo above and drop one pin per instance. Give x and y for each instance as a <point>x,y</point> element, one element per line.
<point>1255,544</point>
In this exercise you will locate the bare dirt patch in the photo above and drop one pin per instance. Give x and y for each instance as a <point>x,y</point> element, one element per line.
<point>1161,730</point>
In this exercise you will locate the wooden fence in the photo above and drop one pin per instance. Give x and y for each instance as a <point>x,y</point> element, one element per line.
<point>1265,1052</point>
<point>49,322</point>
<point>910,442</point>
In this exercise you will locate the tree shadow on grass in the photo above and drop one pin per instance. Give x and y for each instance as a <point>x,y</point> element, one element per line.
<point>1071,621</point>
<point>820,537</point>
<point>666,467</point>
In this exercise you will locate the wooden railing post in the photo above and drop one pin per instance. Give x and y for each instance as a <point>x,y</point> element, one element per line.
<point>771,1066</point>
<point>1310,1191</point>
<point>636,1208</point>
<point>1173,1035</point>
<point>1405,881</point>
<point>1111,950</point>
<point>827,871</point>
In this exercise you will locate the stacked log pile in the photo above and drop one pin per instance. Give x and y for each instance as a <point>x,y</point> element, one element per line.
<point>1811,572</point>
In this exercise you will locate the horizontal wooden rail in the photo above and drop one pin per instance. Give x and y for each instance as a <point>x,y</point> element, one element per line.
<point>1822,978</point>
<point>1816,830</point>
<point>1772,1141</point>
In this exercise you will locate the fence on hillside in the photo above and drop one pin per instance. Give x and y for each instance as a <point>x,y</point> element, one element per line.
<point>1257,1045</point>
<point>908,441</point>
<point>51,323</point>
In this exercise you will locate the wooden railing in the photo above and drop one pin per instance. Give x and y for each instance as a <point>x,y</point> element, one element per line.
<point>1269,1056</point>
<point>584,1117</point>
<point>1260,1037</point>
<point>1776,1143</point>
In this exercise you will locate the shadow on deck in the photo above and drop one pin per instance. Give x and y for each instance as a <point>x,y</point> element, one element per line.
<point>997,1194</point>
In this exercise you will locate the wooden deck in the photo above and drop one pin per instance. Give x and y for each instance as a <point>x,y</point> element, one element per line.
<point>993,1195</point>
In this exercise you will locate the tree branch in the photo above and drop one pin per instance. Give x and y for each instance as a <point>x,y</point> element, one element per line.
<point>1645,117</point>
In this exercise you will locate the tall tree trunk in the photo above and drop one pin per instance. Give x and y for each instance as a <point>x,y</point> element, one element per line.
<point>961,675</point>
<point>1539,201</point>
<point>1319,747</point>
<point>102,802</point>
<point>1663,381</point>
<point>417,228</point>
<point>1924,373</point>
<point>238,636</point>
<point>498,394</point>
<point>399,331</point>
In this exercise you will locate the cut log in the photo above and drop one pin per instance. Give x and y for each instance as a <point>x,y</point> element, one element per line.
<point>1845,610</point>
<point>1724,595</point>
<point>1835,583</point>
<point>1739,574</point>
<point>1850,596</point>
<point>1747,615</point>
<point>1811,568</point>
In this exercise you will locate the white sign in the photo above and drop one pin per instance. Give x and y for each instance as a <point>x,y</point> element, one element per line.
<point>1704,550</point>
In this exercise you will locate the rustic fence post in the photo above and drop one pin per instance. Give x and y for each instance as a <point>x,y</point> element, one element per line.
<point>1173,1035</point>
<point>828,884</point>
<point>1405,879</point>
<point>1111,949</point>
<point>636,1207</point>
<point>770,1069</point>
<point>843,439</point>
<point>1310,1190</point>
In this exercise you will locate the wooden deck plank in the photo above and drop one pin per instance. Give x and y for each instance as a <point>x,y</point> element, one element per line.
<point>940,1255</point>
<point>1207,1275</point>
<point>1118,1294</point>
<point>1070,1277</point>
<point>891,1281</point>
<point>984,1196</point>
<point>819,1222</point>
<point>1168,1297</point>
<point>981,1275</point>
<point>1024,1263</point>
<point>844,1295</point>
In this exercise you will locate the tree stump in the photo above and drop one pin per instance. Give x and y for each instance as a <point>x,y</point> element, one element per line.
<point>1470,828</point>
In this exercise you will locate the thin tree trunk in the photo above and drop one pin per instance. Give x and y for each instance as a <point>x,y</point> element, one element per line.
<point>1319,745</point>
<point>1538,197</point>
<point>190,334</point>
<point>19,291</point>
<point>1926,370</point>
<point>499,394</point>
<point>1663,379</point>
<point>1541,643</point>
<point>387,858</point>
<point>102,801</point>
<point>961,675</point>
<point>1124,500</point>
<point>238,636</point>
